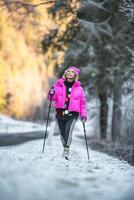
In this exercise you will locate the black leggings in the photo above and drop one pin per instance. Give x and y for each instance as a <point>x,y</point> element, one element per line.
<point>66,129</point>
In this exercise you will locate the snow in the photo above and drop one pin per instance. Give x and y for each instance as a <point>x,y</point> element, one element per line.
<point>127,7</point>
<point>27,174</point>
<point>9,125</point>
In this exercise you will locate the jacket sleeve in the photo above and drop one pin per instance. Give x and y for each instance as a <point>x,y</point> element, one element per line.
<point>83,110</point>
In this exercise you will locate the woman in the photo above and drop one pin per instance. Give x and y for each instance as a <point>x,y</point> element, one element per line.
<point>69,102</point>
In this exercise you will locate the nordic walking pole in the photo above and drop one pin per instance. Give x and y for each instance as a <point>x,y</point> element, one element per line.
<point>45,135</point>
<point>86,140</point>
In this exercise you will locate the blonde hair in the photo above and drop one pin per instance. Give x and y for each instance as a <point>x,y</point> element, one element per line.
<point>76,78</point>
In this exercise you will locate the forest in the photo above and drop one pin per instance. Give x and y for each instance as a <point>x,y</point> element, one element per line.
<point>39,39</point>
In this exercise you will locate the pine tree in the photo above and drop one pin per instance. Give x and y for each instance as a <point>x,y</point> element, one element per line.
<point>101,49</point>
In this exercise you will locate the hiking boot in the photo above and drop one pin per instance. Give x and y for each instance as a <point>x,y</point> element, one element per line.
<point>66,153</point>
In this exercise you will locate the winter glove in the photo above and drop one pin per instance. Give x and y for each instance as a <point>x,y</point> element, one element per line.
<point>52,91</point>
<point>83,119</point>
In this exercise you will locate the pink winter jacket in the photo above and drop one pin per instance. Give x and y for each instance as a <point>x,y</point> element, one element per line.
<point>77,97</point>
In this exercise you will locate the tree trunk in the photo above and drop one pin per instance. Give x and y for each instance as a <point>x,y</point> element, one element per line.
<point>103,114</point>
<point>116,118</point>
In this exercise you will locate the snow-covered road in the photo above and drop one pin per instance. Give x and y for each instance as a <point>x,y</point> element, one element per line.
<point>26,174</point>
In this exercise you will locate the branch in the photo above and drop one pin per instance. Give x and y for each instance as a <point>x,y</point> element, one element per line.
<point>96,23</point>
<point>87,5</point>
<point>27,6</point>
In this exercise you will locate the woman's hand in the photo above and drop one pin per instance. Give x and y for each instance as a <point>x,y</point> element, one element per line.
<point>83,119</point>
<point>52,91</point>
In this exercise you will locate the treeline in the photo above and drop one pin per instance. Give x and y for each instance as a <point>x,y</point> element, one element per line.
<point>103,49</point>
<point>96,36</point>
<point>108,55</point>
<point>33,41</point>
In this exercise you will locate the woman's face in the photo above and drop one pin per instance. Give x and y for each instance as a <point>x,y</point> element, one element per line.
<point>70,74</point>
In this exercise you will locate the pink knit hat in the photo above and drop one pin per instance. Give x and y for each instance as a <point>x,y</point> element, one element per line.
<point>77,70</point>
